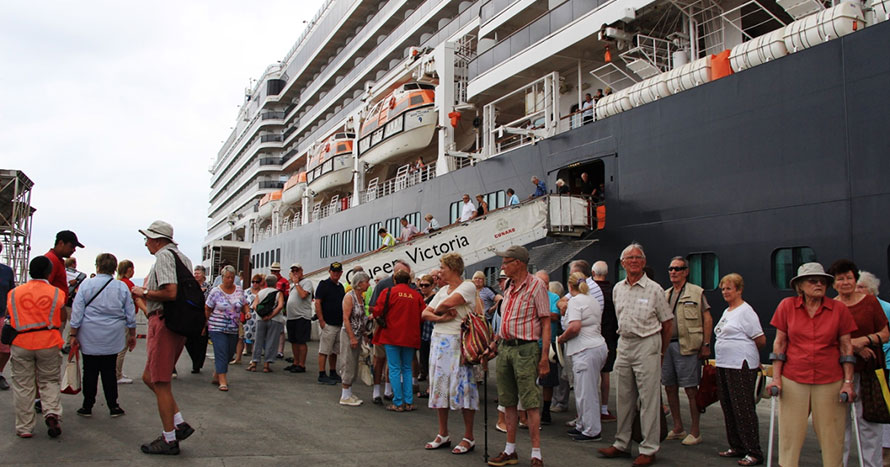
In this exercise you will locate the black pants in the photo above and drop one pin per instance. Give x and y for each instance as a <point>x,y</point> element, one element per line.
<point>425,358</point>
<point>197,349</point>
<point>93,366</point>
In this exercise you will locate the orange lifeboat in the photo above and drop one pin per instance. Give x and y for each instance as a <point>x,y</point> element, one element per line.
<point>331,164</point>
<point>402,122</point>
<point>294,188</point>
<point>268,203</point>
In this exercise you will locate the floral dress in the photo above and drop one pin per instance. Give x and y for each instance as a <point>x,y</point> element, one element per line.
<point>250,325</point>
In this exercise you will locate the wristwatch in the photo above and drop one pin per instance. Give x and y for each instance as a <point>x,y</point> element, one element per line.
<point>144,293</point>
<point>707,344</point>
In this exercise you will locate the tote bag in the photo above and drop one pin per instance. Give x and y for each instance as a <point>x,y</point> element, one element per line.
<point>71,377</point>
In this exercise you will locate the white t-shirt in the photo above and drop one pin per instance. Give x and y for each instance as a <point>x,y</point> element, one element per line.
<point>586,309</point>
<point>468,290</point>
<point>735,335</point>
<point>466,211</point>
<point>300,307</point>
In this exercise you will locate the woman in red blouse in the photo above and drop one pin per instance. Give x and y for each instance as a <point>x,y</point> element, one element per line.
<point>872,332</point>
<point>812,366</point>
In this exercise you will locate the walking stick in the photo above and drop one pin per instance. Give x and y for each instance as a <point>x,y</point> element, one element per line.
<point>485,409</point>
<point>855,428</point>
<point>773,392</point>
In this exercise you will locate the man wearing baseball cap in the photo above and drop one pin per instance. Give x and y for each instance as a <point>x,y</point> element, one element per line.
<point>163,346</point>
<point>329,309</point>
<point>66,244</point>
<point>525,320</point>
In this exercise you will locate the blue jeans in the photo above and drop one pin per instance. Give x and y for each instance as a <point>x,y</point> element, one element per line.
<point>400,360</point>
<point>223,350</point>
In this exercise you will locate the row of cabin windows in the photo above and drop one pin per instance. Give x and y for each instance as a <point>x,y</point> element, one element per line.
<point>495,200</point>
<point>266,258</point>
<point>362,239</point>
<point>704,268</point>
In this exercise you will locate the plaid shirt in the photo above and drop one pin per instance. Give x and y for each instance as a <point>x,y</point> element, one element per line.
<point>426,327</point>
<point>524,306</point>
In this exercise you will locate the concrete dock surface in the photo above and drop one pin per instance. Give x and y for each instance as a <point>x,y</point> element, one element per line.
<point>282,418</point>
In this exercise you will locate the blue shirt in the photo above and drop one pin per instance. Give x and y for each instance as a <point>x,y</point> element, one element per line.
<point>102,325</point>
<point>513,200</point>
<point>540,189</point>
<point>555,328</point>
<point>7,283</point>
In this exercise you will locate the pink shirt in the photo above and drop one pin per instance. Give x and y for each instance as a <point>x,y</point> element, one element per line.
<point>524,306</point>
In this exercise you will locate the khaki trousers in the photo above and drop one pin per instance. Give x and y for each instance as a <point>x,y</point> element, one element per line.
<point>638,369</point>
<point>31,368</point>
<point>829,416</point>
<point>119,370</point>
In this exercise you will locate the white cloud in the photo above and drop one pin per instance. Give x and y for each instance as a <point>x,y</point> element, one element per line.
<point>115,109</point>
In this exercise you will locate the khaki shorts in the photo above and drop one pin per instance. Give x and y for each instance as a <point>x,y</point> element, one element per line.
<point>517,370</point>
<point>329,340</point>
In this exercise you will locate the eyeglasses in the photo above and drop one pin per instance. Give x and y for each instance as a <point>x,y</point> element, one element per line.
<point>677,268</point>
<point>632,258</point>
<point>425,285</point>
<point>255,282</point>
<point>816,280</point>
<point>508,261</point>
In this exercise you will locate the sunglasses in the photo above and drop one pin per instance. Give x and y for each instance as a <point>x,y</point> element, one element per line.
<point>425,285</point>
<point>816,280</point>
<point>255,282</point>
<point>677,268</point>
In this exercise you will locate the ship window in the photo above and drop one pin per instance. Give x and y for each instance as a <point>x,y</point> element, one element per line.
<point>427,86</point>
<point>278,254</point>
<point>410,86</point>
<point>361,239</point>
<point>342,147</point>
<point>373,239</point>
<point>416,100</point>
<point>393,226</point>
<point>496,199</point>
<point>323,251</point>
<point>454,213</point>
<point>785,262</point>
<point>491,276</point>
<point>335,245</point>
<point>347,242</point>
<point>704,270</point>
<point>620,273</point>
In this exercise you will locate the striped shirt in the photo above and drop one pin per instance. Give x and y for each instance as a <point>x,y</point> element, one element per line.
<point>524,306</point>
<point>163,272</point>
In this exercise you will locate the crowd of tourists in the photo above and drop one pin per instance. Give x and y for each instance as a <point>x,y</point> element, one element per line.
<point>394,332</point>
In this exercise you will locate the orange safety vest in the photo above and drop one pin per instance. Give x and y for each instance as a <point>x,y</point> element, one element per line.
<point>35,312</point>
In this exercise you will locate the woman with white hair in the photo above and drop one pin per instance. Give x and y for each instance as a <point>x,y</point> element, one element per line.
<point>869,284</point>
<point>587,348</point>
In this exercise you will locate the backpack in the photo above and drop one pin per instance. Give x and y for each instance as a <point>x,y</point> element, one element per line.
<point>267,306</point>
<point>185,314</point>
<point>475,337</point>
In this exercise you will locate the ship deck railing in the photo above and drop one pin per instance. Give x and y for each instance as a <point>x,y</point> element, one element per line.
<point>405,177</point>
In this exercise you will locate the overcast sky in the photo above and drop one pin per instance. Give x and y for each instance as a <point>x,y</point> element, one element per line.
<point>116,109</point>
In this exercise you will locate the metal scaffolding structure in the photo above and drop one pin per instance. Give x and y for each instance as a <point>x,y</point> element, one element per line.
<point>15,221</point>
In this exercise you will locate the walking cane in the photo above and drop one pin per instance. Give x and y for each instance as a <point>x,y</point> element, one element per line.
<point>855,428</point>
<point>773,392</point>
<point>485,409</point>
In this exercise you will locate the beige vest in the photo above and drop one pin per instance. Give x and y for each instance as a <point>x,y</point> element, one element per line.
<point>688,318</point>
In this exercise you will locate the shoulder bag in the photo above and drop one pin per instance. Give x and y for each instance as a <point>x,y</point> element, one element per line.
<point>873,388</point>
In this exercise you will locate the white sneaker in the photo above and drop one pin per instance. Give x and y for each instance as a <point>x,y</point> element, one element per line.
<point>351,401</point>
<point>125,380</point>
<point>571,422</point>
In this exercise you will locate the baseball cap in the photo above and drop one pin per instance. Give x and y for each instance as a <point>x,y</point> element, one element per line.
<point>296,266</point>
<point>67,236</point>
<point>515,252</point>
<point>335,266</point>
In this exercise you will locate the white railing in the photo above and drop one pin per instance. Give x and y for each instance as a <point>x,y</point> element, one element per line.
<point>405,177</point>
<point>538,120</point>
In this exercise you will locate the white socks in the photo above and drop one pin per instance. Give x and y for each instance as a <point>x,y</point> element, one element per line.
<point>604,409</point>
<point>510,448</point>
<point>536,452</point>
<point>170,436</point>
<point>388,390</point>
<point>177,419</point>
<point>376,391</point>
<point>346,393</point>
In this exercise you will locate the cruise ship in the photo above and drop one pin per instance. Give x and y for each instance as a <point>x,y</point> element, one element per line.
<point>748,136</point>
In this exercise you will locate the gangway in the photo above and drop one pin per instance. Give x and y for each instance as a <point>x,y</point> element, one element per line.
<point>478,239</point>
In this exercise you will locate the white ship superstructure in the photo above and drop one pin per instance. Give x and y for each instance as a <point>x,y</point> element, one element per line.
<point>506,74</point>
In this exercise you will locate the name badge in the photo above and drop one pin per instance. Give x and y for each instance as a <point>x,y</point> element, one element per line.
<point>644,301</point>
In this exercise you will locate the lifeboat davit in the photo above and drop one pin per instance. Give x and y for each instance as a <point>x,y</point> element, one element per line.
<point>294,188</point>
<point>268,204</point>
<point>403,122</point>
<point>331,164</point>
